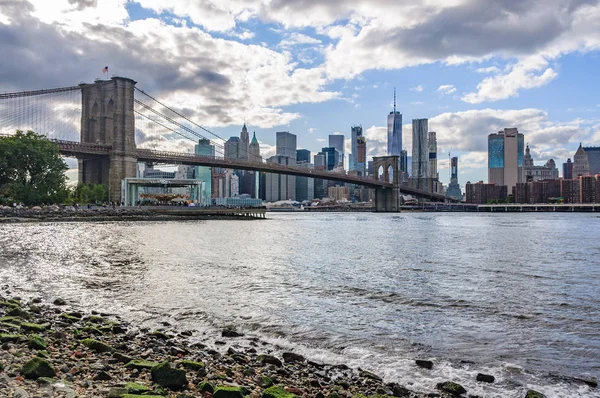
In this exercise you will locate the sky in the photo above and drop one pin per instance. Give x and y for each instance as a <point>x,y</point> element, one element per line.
<point>314,68</point>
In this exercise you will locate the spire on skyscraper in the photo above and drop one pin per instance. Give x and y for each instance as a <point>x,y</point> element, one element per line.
<point>394,99</point>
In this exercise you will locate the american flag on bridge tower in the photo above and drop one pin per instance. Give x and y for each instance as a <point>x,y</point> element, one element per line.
<point>105,69</point>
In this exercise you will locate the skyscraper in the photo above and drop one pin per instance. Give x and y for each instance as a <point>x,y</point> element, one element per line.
<point>432,143</point>
<point>303,156</point>
<point>568,170</point>
<point>355,133</point>
<point>232,148</point>
<point>204,148</point>
<point>254,149</point>
<point>337,141</point>
<point>581,166</point>
<point>420,149</point>
<point>394,131</point>
<point>332,157</point>
<point>361,156</point>
<point>286,144</point>
<point>505,158</point>
<point>244,145</point>
<point>454,188</point>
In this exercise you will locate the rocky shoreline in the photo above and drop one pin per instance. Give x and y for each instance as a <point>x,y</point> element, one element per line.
<point>102,214</point>
<point>55,350</point>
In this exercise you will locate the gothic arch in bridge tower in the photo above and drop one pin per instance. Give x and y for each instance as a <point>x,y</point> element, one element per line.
<point>387,199</point>
<point>108,119</point>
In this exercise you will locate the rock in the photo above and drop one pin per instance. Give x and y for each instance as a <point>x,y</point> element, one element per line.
<point>135,388</point>
<point>20,393</point>
<point>160,335</point>
<point>228,392</point>
<point>191,365</point>
<point>60,301</point>
<point>206,387</point>
<point>485,378</point>
<point>590,382</point>
<point>102,376</point>
<point>424,364</point>
<point>290,357</point>
<point>36,342</point>
<point>369,375</point>
<point>139,365</point>
<point>37,367</point>
<point>19,312</point>
<point>534,394</point>
<point>230,333</point>
<point>123,358</point>
<point>276,392</point>
<point>97,346</point>
<point>270,359</point>
<point>451,388</point>
<point>117,392</point>
<point>166,376</point>
<point>400,391</point>
<point>265,381</point>
<point>11,338</point>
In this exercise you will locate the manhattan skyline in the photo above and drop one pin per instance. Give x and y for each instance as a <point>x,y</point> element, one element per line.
<point>321,68</point>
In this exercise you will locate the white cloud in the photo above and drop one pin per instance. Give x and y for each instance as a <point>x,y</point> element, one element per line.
<point>295,39</point>
<point>418,89</point>
<point>446,89</point>
<point>529,73</point>
<point>490,69</point>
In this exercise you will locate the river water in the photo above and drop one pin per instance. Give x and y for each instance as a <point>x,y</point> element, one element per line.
<point>513,295</point>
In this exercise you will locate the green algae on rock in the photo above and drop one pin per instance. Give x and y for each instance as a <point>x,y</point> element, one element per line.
<point>37,367</point>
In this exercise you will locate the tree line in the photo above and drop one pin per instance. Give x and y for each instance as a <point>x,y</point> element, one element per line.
<point>32,172</point>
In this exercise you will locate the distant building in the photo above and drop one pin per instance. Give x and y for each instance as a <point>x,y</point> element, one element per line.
<point>394,131</point>
<point>280,186</point>
<point>356,133</point>
<point>480,193</point>
<point>332,157</point>
<point>204,148</point>
<point>420,153</point>
<point>581,166</point>
<point>454,188</point>
<point>244,144</point>
<point>243,200</point>
<point>569,191</point>
<point>432,144</point>
<point>593,154</point>
<point>537,173</point>
<point>587,189</point>
<point>404,167</point>
<point>339,193</point>
<point>232,146</point>
<point>568,170</point>
<point>505,158</point>
<point>302,156</point>
<point>337,141</point>
<point>361,156</point>
<point>540,191</point>
<point>286,144</point>
<point>305,186</point>
<point>254,149</point>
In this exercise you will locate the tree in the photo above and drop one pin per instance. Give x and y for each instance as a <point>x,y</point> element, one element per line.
<point>31,169</point>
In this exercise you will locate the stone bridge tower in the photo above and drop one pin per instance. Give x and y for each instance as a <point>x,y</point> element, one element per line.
<point>107,118</point>
<point>387,199</point>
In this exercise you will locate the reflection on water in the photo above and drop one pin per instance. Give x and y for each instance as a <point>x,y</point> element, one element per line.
<point>517,295</point>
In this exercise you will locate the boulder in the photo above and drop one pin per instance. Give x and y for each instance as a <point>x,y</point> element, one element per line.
<point>97,346</point>
<point>276,392</point>
<point>60,301</point>
<point>424,364</point>
<point>534,394</point>
<point>206,387</point>
<point>36,342</point>
<point>485,378</point>
<point>37,367</point>
<point>230,333</point>
<point>166,376</point>
<point>269,359</point>
<point>290,357</point>
<point>451,388</point>
<point>228,392</point>
<point>140,364</point>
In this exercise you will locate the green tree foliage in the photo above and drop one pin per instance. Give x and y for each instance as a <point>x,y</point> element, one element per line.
<point>31,169</point>
<point>89,193</point>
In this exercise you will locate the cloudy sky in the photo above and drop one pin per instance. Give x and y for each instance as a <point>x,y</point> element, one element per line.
<point>315,67</point>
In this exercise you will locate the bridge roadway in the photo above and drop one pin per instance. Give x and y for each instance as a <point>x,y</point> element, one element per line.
<point>72,148</point>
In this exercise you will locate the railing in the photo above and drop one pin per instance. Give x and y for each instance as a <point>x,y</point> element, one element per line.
<point>82,147</point>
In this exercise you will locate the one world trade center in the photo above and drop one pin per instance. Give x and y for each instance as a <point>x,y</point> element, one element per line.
<point>394,131</point>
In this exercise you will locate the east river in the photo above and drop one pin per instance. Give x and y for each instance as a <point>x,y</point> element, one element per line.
<point>516,296</point>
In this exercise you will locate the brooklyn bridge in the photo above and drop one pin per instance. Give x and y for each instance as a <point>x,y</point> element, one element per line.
<point>98,124</point>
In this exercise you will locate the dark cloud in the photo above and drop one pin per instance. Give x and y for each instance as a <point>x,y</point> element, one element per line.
<point>83,4</point>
